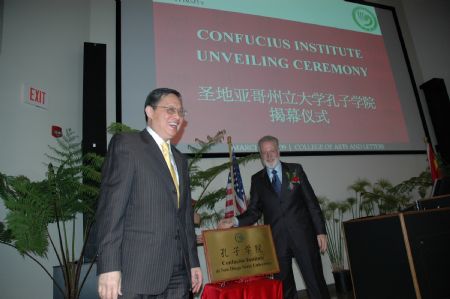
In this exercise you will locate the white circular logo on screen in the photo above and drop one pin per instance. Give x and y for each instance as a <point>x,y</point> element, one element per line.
<point>364,18</point>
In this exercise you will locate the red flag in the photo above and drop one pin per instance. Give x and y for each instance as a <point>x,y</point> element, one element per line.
<point>236,198</point>
<point>434,166</point>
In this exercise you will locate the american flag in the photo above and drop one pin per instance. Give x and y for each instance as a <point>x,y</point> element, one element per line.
<point>240,199</point>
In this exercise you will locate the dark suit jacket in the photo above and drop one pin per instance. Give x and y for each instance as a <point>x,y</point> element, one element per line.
<point>296,212</point>
<point>138,221</point>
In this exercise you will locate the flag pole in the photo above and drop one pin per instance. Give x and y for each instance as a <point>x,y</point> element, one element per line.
<point>230,152</point>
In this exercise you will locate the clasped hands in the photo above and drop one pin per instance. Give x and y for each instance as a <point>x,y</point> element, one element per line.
<point>225,223</point>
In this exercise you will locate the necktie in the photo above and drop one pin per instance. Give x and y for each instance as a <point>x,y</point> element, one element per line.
<point>165,151</point>
<point>276,182</point>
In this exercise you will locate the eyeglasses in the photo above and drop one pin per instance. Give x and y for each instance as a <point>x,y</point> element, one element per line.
<point>172,110</point>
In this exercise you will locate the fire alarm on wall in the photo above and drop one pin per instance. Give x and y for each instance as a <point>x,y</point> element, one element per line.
<point>56,131</point>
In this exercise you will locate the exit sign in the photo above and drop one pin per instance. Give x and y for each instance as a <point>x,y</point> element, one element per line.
<point>35,96</point>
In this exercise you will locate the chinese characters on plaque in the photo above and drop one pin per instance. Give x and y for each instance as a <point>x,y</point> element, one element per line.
<point>239,252</point>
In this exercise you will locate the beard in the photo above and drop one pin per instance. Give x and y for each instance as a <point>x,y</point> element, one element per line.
<point>271,164</point>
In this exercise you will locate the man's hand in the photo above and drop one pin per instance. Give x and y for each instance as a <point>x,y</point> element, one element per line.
<point>109,285</point>
<point>197,279</point>
<point>225,223</point>
<point>322,239</point>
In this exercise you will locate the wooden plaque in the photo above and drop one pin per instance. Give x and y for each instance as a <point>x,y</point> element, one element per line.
<point>239,252</point>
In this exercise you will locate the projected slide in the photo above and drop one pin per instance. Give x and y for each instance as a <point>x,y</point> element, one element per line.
<point>317,81</point>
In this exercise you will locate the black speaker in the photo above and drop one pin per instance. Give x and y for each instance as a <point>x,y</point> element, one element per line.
<point>439,107</point>
<point>94,114</point>
<point>94,98</point>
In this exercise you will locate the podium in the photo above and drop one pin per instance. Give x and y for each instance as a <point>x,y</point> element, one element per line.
<point>401,255</point>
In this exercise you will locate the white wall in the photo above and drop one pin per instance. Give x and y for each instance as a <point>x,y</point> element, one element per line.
<point>42,44</point>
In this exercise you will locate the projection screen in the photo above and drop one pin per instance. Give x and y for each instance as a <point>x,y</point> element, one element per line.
<point>322,75</point>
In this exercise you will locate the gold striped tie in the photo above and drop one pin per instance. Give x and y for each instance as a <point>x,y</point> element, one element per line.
<point>165,151</point>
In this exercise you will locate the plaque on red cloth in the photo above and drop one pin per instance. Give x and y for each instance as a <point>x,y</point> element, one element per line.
<point>240,252</point>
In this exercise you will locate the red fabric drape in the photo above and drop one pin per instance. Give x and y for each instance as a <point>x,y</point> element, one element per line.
<point>261,288</point>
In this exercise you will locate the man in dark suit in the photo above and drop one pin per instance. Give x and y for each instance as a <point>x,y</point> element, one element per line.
<point>282,193</point>
<point>146,239</point>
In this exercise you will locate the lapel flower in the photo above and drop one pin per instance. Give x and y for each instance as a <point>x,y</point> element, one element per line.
<point>293,179</point>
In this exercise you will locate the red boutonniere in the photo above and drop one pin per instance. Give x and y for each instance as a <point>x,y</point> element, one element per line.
<point>293,180</point>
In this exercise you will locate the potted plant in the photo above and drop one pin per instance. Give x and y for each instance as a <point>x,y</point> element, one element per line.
<point>420,184</point>
<point>357,207</point>
<point>383,197</point>
<point>60,199</point>
<point>334,215</point>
